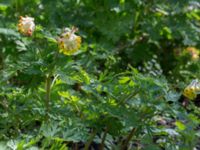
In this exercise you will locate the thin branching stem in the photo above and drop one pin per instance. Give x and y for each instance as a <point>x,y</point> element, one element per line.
<point>103,139</point>
<point>122,101</point>
<point>48,94</point>
<point>128,139</point>
<point>87,145</point>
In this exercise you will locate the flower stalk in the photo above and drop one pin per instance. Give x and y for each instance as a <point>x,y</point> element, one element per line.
<point>128,139</point>
<point>103,139</point>
<point>48,94</point>
<point>92,136</point>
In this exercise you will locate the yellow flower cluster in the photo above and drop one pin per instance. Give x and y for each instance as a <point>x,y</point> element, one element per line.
<point>192,90</point>
<point>193,52</point>
<point>68,42</point>
<point>26,25</point>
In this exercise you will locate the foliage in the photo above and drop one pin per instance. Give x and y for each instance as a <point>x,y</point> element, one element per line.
<point>122,90</point>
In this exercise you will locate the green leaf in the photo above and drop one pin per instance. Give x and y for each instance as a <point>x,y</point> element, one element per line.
<point>180,125</point>
<point>9,32</point>
<point>124,80</point>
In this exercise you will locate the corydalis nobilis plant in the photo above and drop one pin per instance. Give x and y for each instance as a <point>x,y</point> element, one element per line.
<point>192,90</point>
<point>69,42</point>
<point>26,25</point>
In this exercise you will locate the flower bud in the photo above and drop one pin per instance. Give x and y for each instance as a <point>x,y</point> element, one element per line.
<point>68,42</point>
<point>192,90</point>
<point>193,52</point>
<point>26,25</point>
<point>189,93</point>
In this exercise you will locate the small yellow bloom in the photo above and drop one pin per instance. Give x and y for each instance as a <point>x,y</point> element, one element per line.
<point>193,52</point>
<point>189,93</point>
<point>192,90</point>
<point>26,25</point>
<point>68,42</point>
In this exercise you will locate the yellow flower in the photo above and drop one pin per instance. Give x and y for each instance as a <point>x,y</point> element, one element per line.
<point>192,90</point>
<point>68,42</point>
<point>193,52</point>
<point>26,25</point>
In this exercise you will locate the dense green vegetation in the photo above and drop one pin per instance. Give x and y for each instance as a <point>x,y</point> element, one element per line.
<point>123,88</point>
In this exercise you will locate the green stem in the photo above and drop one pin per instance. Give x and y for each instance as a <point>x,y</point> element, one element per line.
<point>87,145</point>
<point>103,139</point>
<point>49,84</point>
<point>129,97</point>
<point>54,80</point>
<point>124,144</point>
<point>48,93</point>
